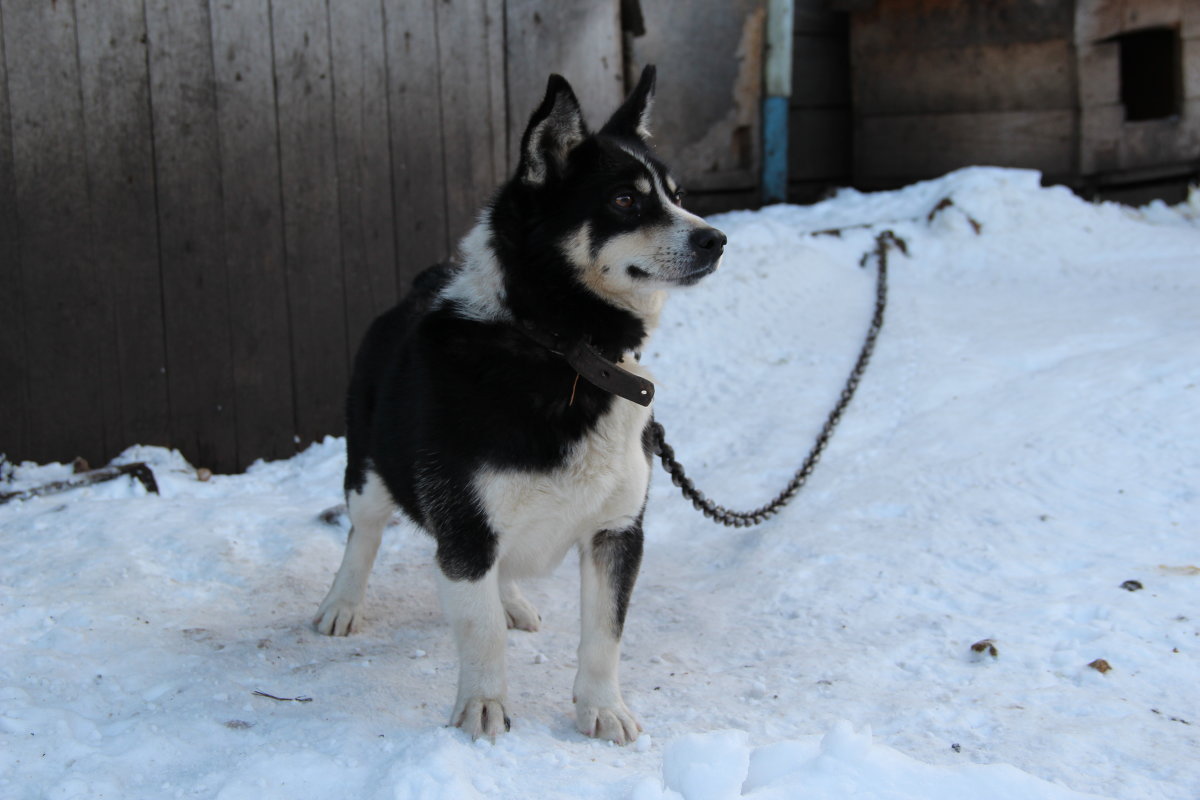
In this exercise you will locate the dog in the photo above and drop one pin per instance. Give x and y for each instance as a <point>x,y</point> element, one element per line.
<point>501,405</point>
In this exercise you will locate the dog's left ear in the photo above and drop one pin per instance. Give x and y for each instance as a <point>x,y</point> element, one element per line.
<point>554,130</point>
<point>633,117</point>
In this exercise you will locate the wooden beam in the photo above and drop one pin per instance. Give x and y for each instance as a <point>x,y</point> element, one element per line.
<point>470,60</point>
<point>415,115</point>
<point>191,232</point>
<point>908,147</point>
<point>364,164</point>
<point>252,224</point>
<point>67,302</point>
<point>116,110</point>
<point>311,234</point>
<point>967,77</point>
<point>14,377</point>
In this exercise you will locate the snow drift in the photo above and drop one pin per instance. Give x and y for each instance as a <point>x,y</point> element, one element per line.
<point>1024,443</point>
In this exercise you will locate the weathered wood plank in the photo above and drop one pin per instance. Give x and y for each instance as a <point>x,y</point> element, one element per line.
<point>116,110</point>
<point>1190,24</point>
<point>820,71</point>
<point>1153,13</point>
<point>13,366</point>
<point>308,175</point>
<point>1099,71</point>
<point>581,41</point>
<point>470,124</point>
<point>1097,19</point>
<point>1099,138</point>
<point>418,179</point>
<point>191,232</point>
<point>67,313</point>
<point>253,229</point>
<point>819,144</point>
<point>498,88</point>
<point>889,150</point>
<point>816,16</point>
<point>1160,142</point>
<point>965,78</point>
<point>363,164</point>
<point>920,24</point>
<point>1191,66</point>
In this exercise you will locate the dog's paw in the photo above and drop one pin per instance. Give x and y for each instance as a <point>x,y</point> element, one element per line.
<point>482,716</point>
<point>615,722</point>
<point>337,617</point>
<point>521,615</point>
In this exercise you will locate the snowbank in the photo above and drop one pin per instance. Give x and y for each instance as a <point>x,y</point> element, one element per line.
<point>1023,444</point>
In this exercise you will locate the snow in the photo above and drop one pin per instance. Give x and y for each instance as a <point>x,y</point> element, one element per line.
<point>1026,439</point>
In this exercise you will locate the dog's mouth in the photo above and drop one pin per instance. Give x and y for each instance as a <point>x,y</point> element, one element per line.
<point>702,271</point>
<point>686,278</point>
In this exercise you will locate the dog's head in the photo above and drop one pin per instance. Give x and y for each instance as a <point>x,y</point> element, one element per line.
<point>607,204</point>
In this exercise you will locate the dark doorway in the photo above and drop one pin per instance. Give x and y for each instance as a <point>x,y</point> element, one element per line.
<point>1150,73</point>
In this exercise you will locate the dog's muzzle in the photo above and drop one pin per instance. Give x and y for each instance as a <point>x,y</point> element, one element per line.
<point>707,245</point>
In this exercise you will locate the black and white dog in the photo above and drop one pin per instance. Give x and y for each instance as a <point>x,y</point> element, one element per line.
<point>502,408</point>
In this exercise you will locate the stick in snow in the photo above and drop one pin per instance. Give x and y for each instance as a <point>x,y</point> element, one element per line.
<point>137,469</point>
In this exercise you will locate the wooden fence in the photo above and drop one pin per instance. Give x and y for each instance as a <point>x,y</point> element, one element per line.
<point>204,202</point>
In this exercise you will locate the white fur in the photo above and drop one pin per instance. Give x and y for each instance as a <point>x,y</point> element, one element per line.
<point>602,486</point>
<point>478,286</point>
<point>370,509</point>
<point>538,518</point>
<point>477,618</point>
<point>643,123</point>
<point>600,710</point>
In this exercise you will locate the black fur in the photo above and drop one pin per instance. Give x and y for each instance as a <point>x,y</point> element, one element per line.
<point>619,554</point>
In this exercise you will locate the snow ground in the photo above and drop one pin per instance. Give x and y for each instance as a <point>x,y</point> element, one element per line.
<point>1026,439</point>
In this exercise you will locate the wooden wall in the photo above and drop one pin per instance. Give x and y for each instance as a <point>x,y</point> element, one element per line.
<point>204,202</point>
<point>1019,83</point>
<point>820,141</point>
<point>940,85</point>
<point>1114,150</point>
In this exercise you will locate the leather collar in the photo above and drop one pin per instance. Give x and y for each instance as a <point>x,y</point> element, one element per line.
<point>593,367</point>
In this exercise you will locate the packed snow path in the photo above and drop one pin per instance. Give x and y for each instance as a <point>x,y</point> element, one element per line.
<point>1026,440</point>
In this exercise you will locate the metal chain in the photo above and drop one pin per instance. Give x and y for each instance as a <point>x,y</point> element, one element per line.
<point>744,519</point>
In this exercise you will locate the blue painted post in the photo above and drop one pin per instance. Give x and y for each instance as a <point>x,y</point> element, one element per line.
<point>775,149</point>
<point>777,88</point>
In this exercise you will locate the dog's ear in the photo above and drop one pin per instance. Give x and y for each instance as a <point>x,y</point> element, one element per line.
<point>554,130</point>
<point>633,117</point>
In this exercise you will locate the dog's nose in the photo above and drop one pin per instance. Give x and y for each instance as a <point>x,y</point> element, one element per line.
<point>708,240</point>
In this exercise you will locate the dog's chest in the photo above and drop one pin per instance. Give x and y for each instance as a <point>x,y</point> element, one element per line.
<point>601,486</point>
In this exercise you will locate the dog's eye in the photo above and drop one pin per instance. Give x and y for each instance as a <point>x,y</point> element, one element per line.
<point>624,201</point>
<point>677,198</point>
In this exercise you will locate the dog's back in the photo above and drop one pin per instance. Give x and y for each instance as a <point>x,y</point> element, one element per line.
<point>378,353</point>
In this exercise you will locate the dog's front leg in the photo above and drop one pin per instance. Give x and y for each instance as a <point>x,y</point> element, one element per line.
<point>608,567</point>
<point>480,629</point>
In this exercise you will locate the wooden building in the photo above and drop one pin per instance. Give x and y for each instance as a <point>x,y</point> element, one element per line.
<point>1097,94</point>
<point>204,202</point>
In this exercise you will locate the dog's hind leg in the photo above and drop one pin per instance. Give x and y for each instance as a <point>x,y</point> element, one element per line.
<point>370,507</point>
<point>519,612</point>
<point>608,567</point>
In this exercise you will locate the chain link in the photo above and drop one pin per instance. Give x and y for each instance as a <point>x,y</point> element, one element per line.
<point>744,519</point>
